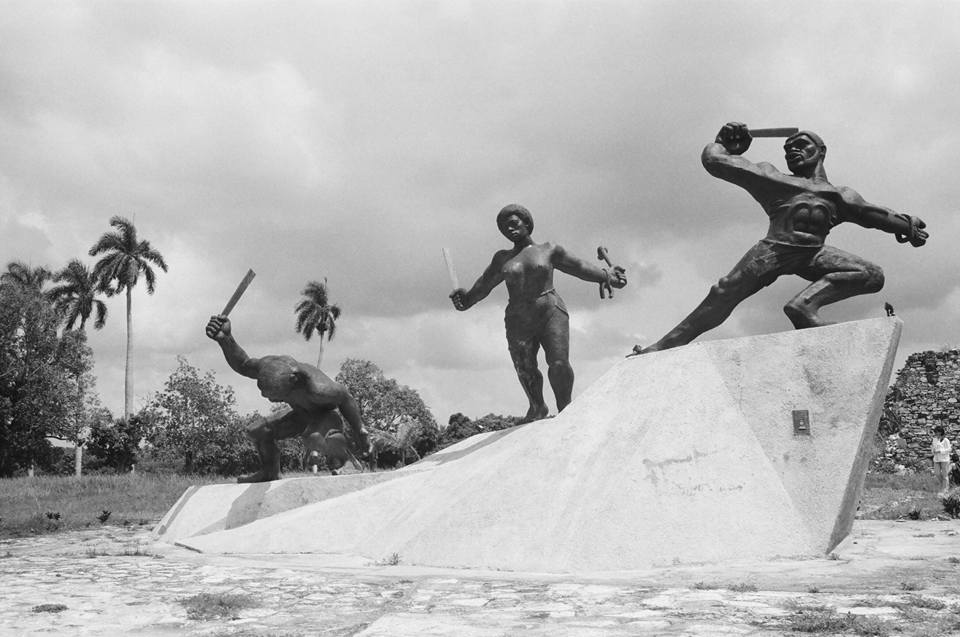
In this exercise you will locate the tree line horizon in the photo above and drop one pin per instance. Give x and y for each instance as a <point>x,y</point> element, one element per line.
<point>47,388</point>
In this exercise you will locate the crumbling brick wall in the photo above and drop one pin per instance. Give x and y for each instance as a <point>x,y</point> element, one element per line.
<point>925,394</point>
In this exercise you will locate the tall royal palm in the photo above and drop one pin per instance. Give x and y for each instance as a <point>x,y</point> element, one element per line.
<point>316,314</point>
<point>75,296</point>
<point>125,259</point>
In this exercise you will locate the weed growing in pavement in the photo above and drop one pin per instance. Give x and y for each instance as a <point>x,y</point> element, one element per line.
<point>826,620</point>
<point>951,504</point>
<point>953,559</point>
<point>703,586</point>
<point>744,588</point>
<point>914,513</point>
<point>138,551</point>
<point>49,608</point>
<point>911,586</point>
<point>104,516</point>
<point>207,606</point>
<point>919,601</point>
<point>392,560</point>
<point>813,589</point>
<point>798,606</point>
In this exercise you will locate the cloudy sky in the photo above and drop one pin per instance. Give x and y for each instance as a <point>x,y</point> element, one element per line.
<point>353,140</point>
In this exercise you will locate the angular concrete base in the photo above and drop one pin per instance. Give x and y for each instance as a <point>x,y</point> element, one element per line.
<point>687,455</point>
<point>217,507</point>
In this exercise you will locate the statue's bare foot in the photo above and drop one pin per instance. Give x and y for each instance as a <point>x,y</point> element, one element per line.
<point>803,317</point>
<point>535,413</point>
<point>259,476</point>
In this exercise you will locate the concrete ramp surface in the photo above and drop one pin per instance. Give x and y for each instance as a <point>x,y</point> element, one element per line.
<point>683,456</point>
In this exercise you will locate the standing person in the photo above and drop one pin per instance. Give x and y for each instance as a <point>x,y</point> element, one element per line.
<point>941,448</point>
<point>802,208</point>
<point>536,315</point>
<point>316,403</point>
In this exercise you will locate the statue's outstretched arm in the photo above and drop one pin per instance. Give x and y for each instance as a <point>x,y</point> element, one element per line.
<point>574,266</point>
<point>491,278</point>
<point>906,228</point>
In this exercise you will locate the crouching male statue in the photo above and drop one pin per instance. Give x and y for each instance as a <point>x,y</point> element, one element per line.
<point>314,401</point>
<point>802,209</point>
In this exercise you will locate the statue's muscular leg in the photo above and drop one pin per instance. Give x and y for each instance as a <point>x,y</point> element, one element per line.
<point>723,297</point>
<point>556,349</point>
<point>314,440</point>
<point>523,351</point>
<point>265,434</point>
<point>836,275</point>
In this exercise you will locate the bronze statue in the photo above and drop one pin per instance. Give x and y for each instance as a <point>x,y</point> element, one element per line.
<point>536,316</point>
<point>314,401</point>
<point>802,208</point>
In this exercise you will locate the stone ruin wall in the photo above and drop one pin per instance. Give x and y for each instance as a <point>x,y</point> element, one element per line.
<point>924,395</point>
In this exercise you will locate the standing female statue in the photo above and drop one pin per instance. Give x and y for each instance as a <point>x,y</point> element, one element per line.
<point>536,316</point>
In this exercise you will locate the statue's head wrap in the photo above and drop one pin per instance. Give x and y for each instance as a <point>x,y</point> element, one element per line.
<point>806,133</point>
<point>515,209</point>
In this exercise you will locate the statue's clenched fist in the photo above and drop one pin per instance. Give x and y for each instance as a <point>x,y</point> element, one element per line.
<point>218,328</point>
<point>735,137</point>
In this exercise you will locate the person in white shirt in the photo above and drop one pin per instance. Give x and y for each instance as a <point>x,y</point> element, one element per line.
<point>940,448</point>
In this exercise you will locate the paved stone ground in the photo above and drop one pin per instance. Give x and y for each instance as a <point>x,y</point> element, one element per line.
<point>887,578</point>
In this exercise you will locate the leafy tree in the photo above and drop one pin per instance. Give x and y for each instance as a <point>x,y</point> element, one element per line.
<point>390,408</point>
<point>125,259</point>
<point>37,394</point>
<point>115,444</point>
<point>194,419</point>
<point>76,296</point>
<point>384,403</point>
<point>316,314</point>
<point>460,427</point>
<point>83,405</point>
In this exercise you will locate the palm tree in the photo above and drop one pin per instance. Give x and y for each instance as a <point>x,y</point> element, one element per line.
<point>125,259</point>
<point>22,276</point>
<point>75,297</point>
<point>316,314</point>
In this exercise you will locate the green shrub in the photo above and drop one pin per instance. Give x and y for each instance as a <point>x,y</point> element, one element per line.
<point>951,504</point>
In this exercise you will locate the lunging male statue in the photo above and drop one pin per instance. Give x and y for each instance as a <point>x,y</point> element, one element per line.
<point>314,401</point>
<point>802,208</point>
<point>536,315</point>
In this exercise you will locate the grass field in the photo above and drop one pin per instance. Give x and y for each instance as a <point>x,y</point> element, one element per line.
<point>892,497</point>
<point>52,503</point>
<point>55,503</point>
